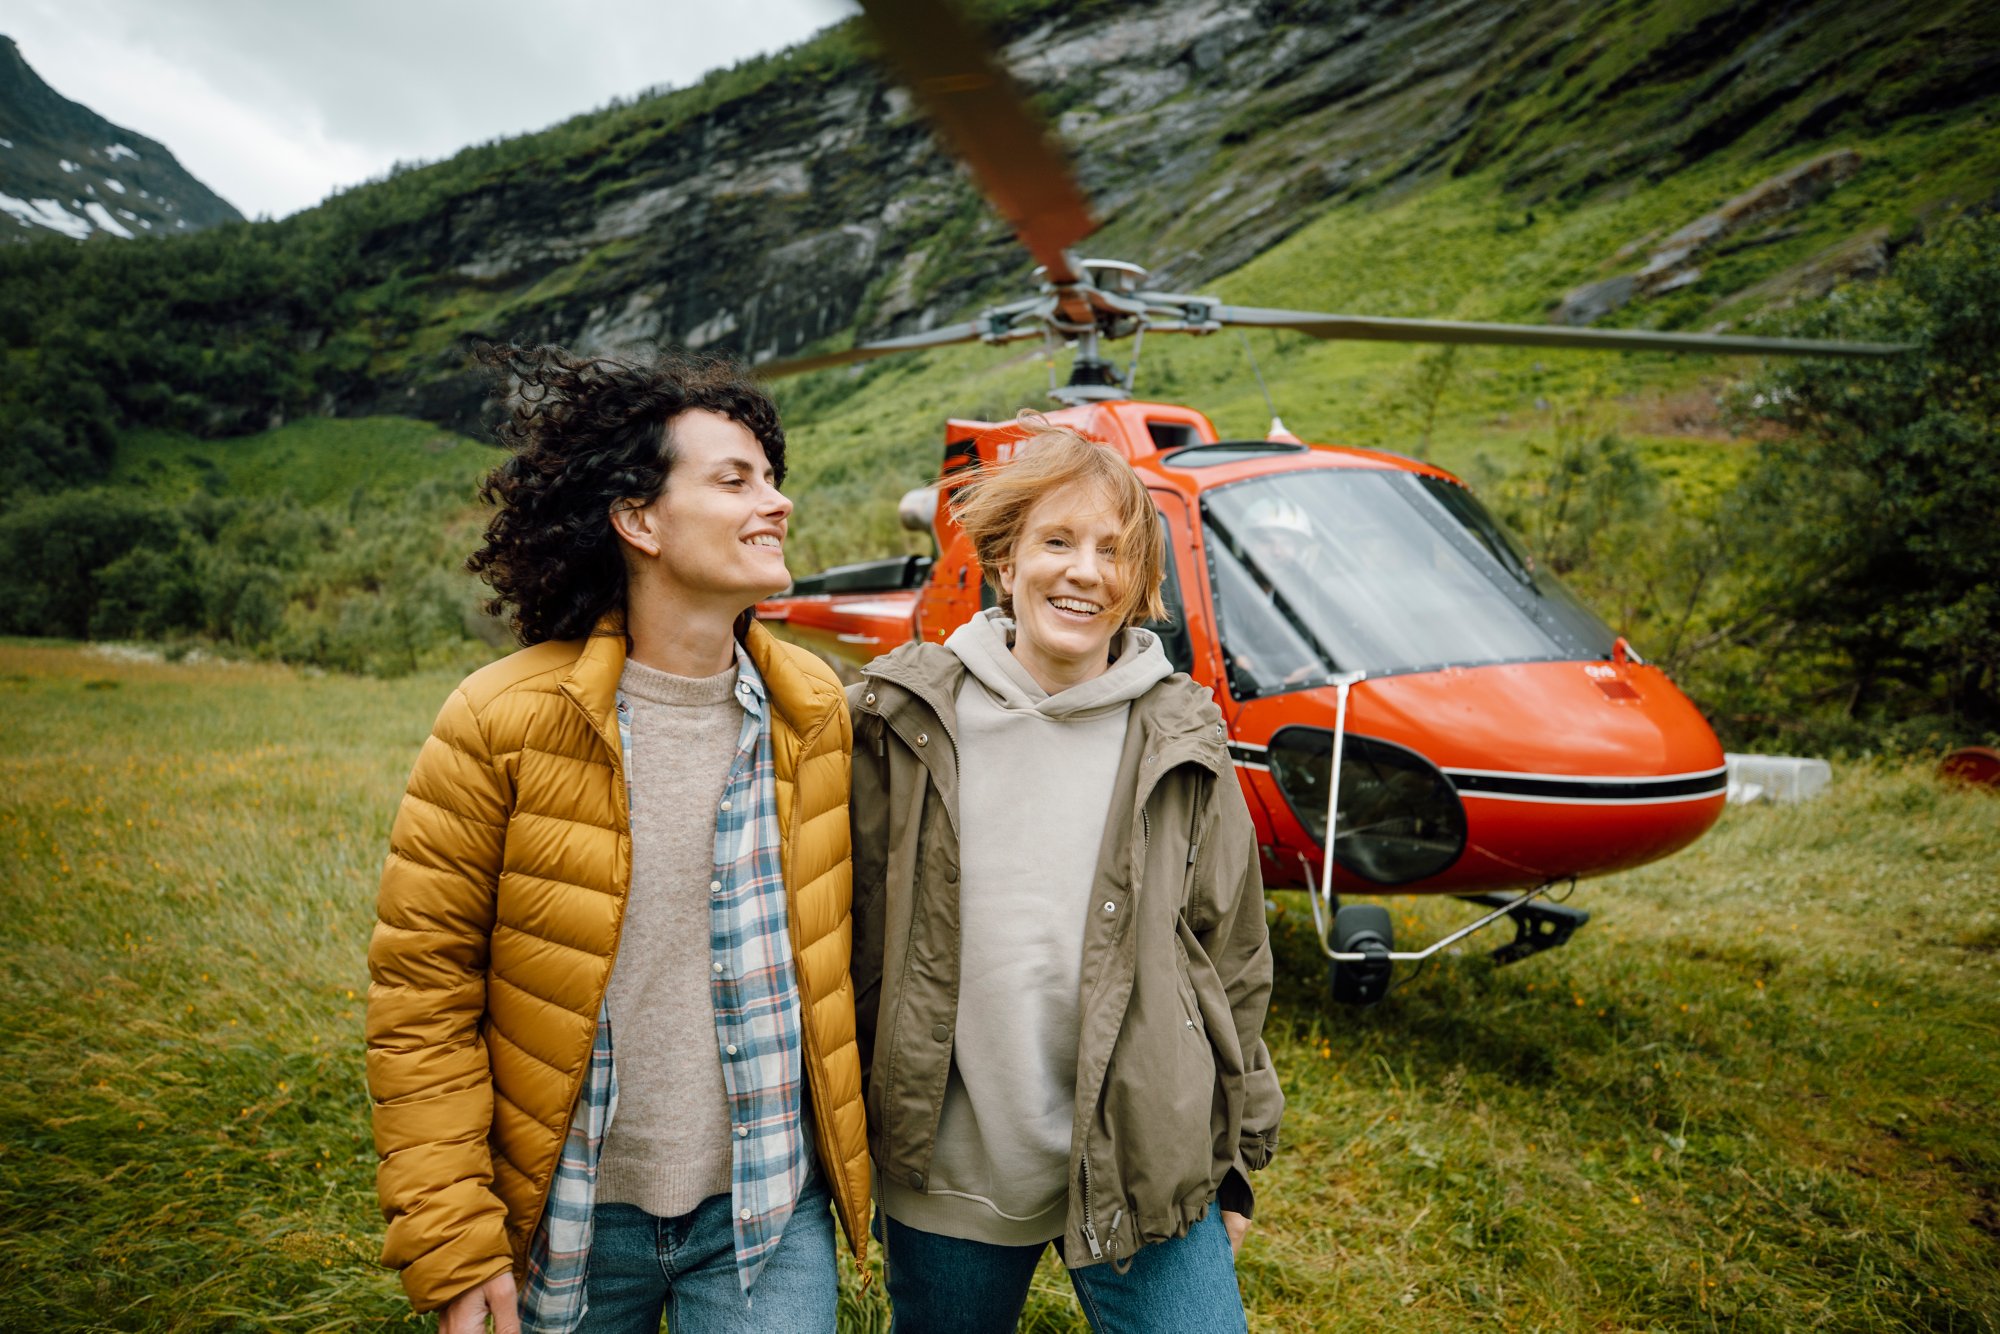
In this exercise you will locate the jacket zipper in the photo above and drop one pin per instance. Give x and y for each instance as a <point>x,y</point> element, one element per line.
<point>1089,1231</point>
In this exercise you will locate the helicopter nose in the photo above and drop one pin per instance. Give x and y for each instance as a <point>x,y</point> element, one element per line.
<point>1548,769</point>
<point>1567,768</point>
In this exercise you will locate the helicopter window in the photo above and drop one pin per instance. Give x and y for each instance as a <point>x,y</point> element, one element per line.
<point>1266,646</point>
<point>1172,435</point>
<point>1325,571</point>
<point>1173,631</point>
<point>1472,516</point>
<point>1228,451</point>
<point>1553,604</point>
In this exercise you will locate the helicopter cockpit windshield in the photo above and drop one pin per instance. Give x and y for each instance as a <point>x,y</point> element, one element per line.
<point>1325,571</point>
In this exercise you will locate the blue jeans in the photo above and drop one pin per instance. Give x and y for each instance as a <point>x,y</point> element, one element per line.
<point>643,1266</point>
<point>946,1285</point>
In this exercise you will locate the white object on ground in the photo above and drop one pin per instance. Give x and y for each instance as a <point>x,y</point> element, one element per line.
<point>1781,778</point>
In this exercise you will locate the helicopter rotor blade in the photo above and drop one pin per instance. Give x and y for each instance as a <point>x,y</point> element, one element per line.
<point>968,332</point>
<point>982,115</point>
<point>1538,335</point>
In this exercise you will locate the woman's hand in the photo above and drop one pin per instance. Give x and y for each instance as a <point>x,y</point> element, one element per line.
<point>1238,1226</point>
<point>467,1312</point>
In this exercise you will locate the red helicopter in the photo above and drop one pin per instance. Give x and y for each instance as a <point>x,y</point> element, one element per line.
<point>1393,668</point>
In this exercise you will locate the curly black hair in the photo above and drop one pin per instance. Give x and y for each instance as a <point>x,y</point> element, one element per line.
<point>587,434</point>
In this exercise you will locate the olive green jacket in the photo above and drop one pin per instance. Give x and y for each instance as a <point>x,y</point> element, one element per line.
<point>1174,1085</point>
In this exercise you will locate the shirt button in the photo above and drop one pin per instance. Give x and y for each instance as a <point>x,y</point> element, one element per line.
<point>715,886</point>
<point>745,1215</point>
<point>725,805</point>
<point>868,698</point>
<point>923,738</point>
<point>940,1032</point>
<point>742,1131</point>
<point>1109,906</point>
<point>718,967</point>
<point>731,1049</point>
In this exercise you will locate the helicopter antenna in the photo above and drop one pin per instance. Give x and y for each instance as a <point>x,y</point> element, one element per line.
<point>1132,371</point>
<point>1276,425</point>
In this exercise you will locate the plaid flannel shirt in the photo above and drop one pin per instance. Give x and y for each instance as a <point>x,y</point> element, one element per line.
<point>755,992</point>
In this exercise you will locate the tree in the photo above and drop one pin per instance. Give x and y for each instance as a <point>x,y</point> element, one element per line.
<point>1872,514</point>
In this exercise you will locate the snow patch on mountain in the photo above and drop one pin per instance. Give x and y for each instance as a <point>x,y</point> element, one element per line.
<point>46,213</point>
<point>102,217</point>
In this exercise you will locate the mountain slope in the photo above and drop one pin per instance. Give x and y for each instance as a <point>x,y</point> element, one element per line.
<point>810,201</point>
<point>796,201</point>
<point>65,169</point>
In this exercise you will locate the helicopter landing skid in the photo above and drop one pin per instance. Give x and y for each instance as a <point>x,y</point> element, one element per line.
<point>1358,939</point>
<point>1537,926</point>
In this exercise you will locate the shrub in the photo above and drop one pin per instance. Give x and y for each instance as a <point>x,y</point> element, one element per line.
<point>150,593</point>
<point>53,548</point>
<point>1874,507</point>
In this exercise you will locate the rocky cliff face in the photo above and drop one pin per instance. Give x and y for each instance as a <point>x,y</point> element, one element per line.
<point>1204,130</point>
<point>66,169</point>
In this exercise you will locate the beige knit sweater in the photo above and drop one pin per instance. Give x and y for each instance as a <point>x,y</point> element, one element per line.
<point>668,1147</point>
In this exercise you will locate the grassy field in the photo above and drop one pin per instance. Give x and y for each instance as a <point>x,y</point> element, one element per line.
<point>312,461</point>
<point>1760,1091</point>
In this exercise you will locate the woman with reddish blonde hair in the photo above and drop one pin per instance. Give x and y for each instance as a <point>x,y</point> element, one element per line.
<point>1060,960</point>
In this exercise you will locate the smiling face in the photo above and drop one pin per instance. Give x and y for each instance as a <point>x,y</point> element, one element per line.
<point>1063,580</point>
<point>714,538</point>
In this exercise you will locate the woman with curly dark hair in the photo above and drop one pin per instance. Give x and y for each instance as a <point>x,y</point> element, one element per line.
<point>634,828</point>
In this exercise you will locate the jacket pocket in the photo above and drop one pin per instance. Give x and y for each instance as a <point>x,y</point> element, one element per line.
<point>1184,979</point>
<point>1195,913</point>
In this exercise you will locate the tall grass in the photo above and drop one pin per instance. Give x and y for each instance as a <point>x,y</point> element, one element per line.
<point>1757,1092</point>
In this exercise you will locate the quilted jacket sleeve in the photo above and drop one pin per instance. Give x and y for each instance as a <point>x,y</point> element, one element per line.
<point>428,1075</point>
<point>1239,943</point>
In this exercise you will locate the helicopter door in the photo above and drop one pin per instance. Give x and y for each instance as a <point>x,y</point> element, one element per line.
<point>1177,636</point>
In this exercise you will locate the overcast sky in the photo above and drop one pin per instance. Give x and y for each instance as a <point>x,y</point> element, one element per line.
<point>273,104</point>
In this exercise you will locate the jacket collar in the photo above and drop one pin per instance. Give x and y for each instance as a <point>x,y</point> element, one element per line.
<point>592,680</point>
<point>1179,720</point>
<point>800,699</point>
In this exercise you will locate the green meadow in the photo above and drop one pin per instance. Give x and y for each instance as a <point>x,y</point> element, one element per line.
<point>1760,1091</point>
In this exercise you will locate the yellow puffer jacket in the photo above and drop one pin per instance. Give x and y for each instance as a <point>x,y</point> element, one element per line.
<point>498,923</point>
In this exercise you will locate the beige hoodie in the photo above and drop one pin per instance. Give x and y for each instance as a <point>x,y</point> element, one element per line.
<point>1036,776</point>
